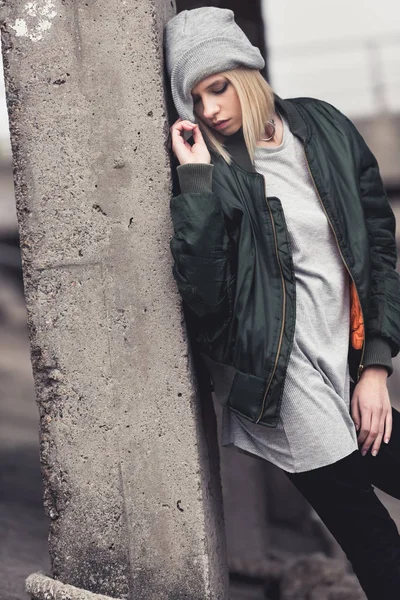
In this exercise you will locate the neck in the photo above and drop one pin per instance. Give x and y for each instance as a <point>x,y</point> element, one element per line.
<point>235,138</point>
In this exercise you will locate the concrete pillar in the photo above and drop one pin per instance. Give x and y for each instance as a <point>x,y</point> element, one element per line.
<point>133,504</point>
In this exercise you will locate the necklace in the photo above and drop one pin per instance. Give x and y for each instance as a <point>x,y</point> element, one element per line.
<point>272,123</point>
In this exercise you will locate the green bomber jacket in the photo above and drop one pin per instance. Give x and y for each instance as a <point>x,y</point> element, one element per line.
<point>233,264</point>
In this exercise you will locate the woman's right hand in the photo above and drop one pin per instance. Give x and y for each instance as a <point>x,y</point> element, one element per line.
<point>185,153</point>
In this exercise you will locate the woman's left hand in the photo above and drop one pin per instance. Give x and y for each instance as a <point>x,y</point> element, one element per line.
<point>371,410</point>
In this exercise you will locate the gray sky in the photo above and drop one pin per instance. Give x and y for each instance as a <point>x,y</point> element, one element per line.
<point>336,50</point>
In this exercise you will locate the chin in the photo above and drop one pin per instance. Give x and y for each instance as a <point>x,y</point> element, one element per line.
<point>231,130</point>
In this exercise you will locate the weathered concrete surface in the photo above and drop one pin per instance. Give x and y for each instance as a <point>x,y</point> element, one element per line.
<point>41,587</point>
<point>134,510</point>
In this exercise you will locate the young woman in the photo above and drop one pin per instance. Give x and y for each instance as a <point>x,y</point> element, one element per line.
<point>285,256</point>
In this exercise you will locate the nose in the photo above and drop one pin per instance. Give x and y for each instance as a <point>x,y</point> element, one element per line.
<point>210,108</point>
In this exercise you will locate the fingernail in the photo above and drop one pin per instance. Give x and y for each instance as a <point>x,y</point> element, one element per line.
<point>364,452</point>
<point>357,426</point>
<point>374,452</point>
<point>386,440</point>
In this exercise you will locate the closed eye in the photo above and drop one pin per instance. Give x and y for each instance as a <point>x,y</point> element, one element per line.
<point>220,91</point>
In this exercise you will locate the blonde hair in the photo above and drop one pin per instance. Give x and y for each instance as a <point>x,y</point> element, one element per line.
<point>257,104</point>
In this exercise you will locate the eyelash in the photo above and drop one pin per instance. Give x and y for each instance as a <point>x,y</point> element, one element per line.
<point>221,91</point>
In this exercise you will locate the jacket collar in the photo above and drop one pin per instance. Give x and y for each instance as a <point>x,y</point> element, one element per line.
<point>235,143</point>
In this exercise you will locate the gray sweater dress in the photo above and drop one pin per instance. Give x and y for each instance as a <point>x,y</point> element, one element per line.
<point>315,426</point>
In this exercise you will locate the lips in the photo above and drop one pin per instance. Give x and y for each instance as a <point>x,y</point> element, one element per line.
<point>220,124</point>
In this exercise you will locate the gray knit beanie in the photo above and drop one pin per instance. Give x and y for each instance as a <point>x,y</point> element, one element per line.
<point>199,43</point>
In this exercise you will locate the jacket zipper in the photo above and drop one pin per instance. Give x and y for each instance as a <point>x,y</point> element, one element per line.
<point>283,304</point>
<point>360,366</point>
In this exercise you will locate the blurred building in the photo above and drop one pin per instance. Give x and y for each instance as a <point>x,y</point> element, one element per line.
<point>351,59</point>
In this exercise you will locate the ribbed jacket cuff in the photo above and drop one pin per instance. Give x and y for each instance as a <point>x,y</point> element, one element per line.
<point>377,352</point>
<point>195,178</point>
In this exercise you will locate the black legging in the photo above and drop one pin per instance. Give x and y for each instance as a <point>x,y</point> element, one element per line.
<point>343,497</point>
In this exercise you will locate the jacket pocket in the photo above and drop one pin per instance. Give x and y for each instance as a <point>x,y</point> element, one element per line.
<point>210,327</point>
<point>242,392</point>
